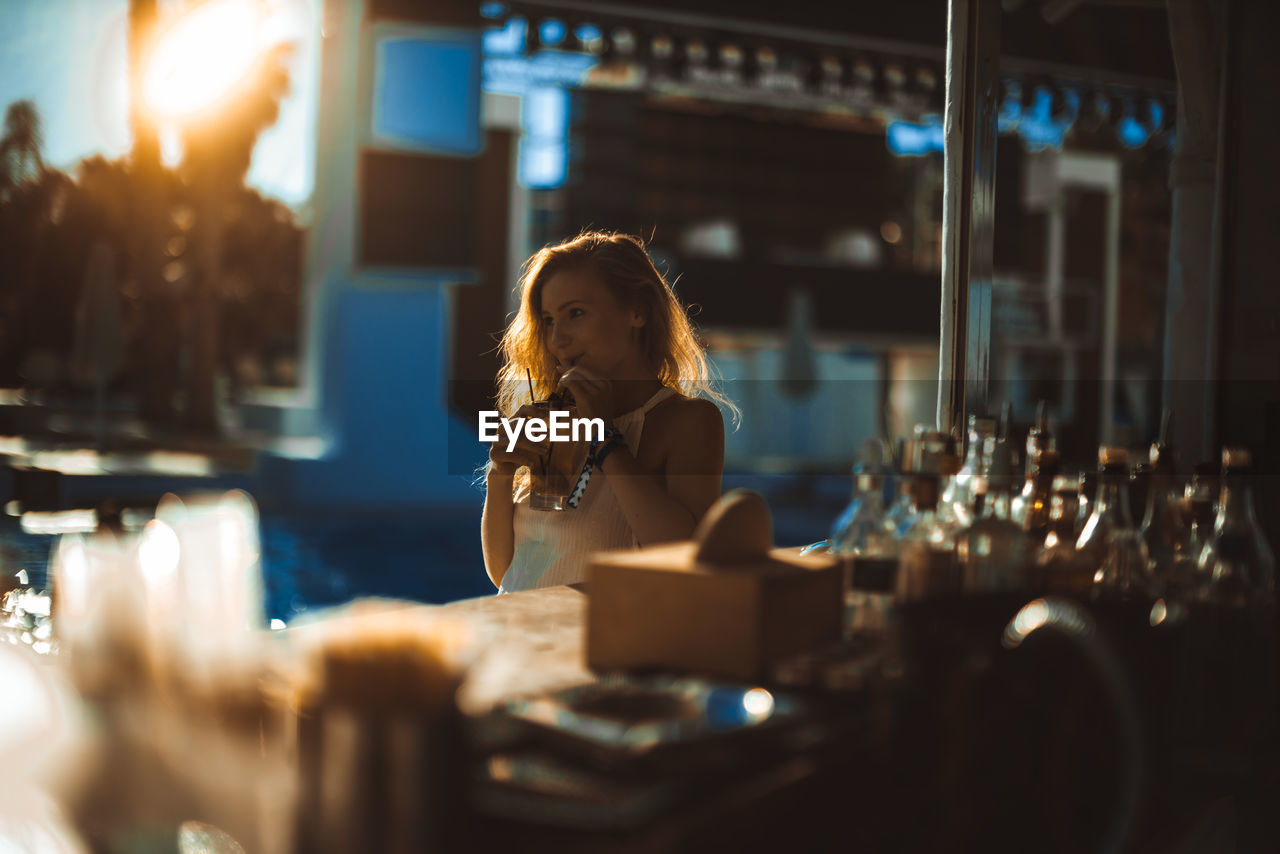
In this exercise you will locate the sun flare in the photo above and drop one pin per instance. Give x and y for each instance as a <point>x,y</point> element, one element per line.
<point>202,56</point>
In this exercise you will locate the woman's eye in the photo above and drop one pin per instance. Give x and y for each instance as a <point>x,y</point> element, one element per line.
<point>547,321</point>
<point>575,312</point>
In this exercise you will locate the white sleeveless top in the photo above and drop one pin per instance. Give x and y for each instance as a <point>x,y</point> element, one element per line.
<point>553,546</point>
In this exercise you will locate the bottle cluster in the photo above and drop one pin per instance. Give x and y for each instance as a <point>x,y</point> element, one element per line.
<point>938,524</point>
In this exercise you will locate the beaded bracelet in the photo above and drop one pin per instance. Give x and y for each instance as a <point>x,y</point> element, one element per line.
<point>599,450</point>
<point>595,457</point>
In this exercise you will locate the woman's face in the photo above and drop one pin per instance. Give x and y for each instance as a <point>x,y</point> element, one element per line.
<point>583,324</point>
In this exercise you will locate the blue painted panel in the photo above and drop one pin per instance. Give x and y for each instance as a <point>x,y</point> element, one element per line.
<point>385,399</point>
<point>426,93</point>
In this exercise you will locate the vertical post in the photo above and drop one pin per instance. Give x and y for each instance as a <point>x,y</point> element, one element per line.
<point>968,202</point>
<point>1191,343</point>
<point>1110,319</point>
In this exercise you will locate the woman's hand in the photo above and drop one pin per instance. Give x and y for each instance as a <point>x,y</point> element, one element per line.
<point>592,393</point>
<point>525,452</point>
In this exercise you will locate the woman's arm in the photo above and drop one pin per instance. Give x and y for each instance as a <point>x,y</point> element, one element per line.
<point>668,506</point>
<point>497,531</point>
<point>497,521</point>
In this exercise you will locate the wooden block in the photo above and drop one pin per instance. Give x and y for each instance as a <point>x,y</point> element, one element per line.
<point>668,608</point>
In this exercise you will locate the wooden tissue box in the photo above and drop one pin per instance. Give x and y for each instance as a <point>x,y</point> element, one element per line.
<point>726,605</point>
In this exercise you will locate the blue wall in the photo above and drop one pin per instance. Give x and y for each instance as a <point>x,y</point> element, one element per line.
<point>384,405</point>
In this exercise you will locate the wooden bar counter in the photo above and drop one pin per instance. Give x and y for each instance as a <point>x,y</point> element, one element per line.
<point>766,796</point>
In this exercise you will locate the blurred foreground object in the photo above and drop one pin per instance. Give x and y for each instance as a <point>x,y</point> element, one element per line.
<point>162,635</point>
<point>380,756</point>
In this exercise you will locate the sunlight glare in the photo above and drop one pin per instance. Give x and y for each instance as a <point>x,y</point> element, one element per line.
<point>202,56</point>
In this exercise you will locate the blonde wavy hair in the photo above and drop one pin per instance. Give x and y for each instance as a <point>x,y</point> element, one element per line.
<point>670,343</point>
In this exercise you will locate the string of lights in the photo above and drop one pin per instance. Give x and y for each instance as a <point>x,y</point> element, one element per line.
<point>684,54</point>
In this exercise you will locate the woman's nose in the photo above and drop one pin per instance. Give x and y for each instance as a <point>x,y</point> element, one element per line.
<point>559,337</point>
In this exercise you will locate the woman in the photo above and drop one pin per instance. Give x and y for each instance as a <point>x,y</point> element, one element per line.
<point>597,318</point>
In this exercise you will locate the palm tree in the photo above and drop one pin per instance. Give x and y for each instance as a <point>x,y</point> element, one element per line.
<point>20,158</point>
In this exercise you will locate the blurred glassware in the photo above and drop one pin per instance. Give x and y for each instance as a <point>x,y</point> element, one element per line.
<point>871,461</point>
<point>926,558</point>
<point>1039,437</point>
<point>551,485</point>
<point>1087,487</point>
<point>902,512</point>
<point>1059,568</point>
<point>994,552</point>
<point>1109,540</point>
<point>958,495</point>
<point>1236,566</point>
<point>1030,508</point>
<point>1166,527</point>
<point>1201,496</point>
<point>869,554</point>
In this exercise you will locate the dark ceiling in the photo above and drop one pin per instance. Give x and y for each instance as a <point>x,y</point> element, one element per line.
<point>1121,39</point>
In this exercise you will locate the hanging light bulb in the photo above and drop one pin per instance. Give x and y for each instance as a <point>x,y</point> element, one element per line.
<point>551,32</point>
<point>696,52</point>
<point>1131,132</point>
<point>587,38</point>
<point>731,56</point>
<point>621,44</point>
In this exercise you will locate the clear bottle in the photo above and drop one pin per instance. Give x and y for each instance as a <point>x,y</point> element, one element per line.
<point>952,515</point>
<point>901,514</point>
<point>1236,566</point>
<point>1110,542</point>
<point>865,530</point>
<point>1087,487</point>
<point>1201,497</point>
<point>926,558</point>
<point>870,461</point>
<point>840,527</point>
<point>925,453</point>
<point>1166,527</point>
<point>1030,508</point>
<point>994,553</point>
<point>1059,567</point>
<point>1039,438</point>
<point>869,554</point>
<point>958,495</point>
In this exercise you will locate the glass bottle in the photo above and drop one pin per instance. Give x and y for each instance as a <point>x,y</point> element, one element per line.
<point>865,531</point>
<point>1165,527</point>
<point>901,514</point>
<point>1087,486</point>
<point>1201,496</point>
<point>994,552</point>
<point>1039,438</point>
<point>922,454</point>
<point>1030,508</point>
<point>959,494</point>
<point>869,555</point>
<point>1109,542</point>
<point>1060,568</point>
<point>871,461</point>
<point>840,527</point>
<point>1236,566</point>
<point>926,558</point>
<point>957,514</point>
